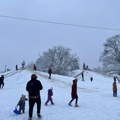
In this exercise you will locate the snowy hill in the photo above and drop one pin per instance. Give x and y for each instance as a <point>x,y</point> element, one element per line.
<point>95,98</point>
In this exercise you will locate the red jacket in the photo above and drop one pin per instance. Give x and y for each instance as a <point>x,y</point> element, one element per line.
<point>74,89</point>
<point>114,86</point>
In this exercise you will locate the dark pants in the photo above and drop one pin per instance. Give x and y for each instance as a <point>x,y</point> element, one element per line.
<point>82,78</point>
<point>22,108</point>
<point>49,75</point>
<point>1,85</point>
<point>74,98</point>
<point>49,99</point>
<point>115,93</point>
<point>32,102</point>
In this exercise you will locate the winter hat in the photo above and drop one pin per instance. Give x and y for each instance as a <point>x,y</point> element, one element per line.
<point>33,76</point>
<point>23,95</point>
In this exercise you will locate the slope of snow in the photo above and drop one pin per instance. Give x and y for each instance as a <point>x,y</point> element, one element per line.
<point>95,98</point>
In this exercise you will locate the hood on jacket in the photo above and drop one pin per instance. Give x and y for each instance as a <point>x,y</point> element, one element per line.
<point>75,81</point>
<point>33,76</point>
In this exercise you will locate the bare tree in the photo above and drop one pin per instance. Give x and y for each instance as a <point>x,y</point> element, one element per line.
<point>59,59</point>
<point>110,57</point>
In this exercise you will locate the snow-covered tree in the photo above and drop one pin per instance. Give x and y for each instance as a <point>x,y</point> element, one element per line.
<point>59,59</point>
<point>110,57</point>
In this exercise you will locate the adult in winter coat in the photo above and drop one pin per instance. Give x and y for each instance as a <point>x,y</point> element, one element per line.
<point>114,88</point>
<point>33,87</point>
<point>50,94</point>
<point>49,72</point>
<point>1,81</point>
<point>74,93</point>
<point>34,67</point>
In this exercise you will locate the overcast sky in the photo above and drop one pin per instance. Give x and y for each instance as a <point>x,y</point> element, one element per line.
<point>25,40</point>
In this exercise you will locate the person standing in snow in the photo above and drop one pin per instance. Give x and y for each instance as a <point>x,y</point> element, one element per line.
<point>33,87</point>
<point>114,88</point>
<point>1,81</point>
<point>49,72</point>
<point>84,66</point>
<point>21,103</point>
<point>16,67</point>
<point>50,94</point>
<point>91,79</point>
<point>34,67</point>
<point>23,64</point>
<point>74,93</point>
<point>82,76</point>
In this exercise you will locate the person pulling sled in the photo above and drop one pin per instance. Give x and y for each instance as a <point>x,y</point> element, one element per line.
<point>21,104</point>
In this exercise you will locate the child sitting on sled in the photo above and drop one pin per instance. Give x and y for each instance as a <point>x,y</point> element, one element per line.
<point>21,104</point>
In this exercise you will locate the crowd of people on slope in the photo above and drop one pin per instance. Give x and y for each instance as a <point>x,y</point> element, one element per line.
<point>34,87</point>
<point>22,65</point>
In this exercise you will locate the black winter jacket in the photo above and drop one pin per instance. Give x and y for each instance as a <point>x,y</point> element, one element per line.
<point>1,80</point>
<point>33,87</point>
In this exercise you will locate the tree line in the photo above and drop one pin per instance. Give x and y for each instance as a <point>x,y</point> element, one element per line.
<point>110,57</point>
<point>62,61</point>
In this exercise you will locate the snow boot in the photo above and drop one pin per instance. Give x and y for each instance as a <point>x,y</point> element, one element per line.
<point>69,104</point>
<point>76,105</point>
<point>38,115</point>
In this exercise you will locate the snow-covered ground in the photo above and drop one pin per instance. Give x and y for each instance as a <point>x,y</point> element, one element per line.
<point>95,98</point>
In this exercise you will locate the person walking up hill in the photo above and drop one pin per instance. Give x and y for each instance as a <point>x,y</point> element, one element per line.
<point>74,93</point>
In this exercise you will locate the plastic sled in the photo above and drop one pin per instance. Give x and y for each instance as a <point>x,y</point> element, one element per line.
<point>16,111</point>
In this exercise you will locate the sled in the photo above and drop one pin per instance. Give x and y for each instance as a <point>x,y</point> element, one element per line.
<point>16,111</point>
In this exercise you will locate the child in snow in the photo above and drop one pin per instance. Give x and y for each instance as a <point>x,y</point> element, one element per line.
<point>50,94</point>
<point>21,103</point>
<point>114,88</point>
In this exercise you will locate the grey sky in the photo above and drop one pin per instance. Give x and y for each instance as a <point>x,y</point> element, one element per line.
<point>25,40</point>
